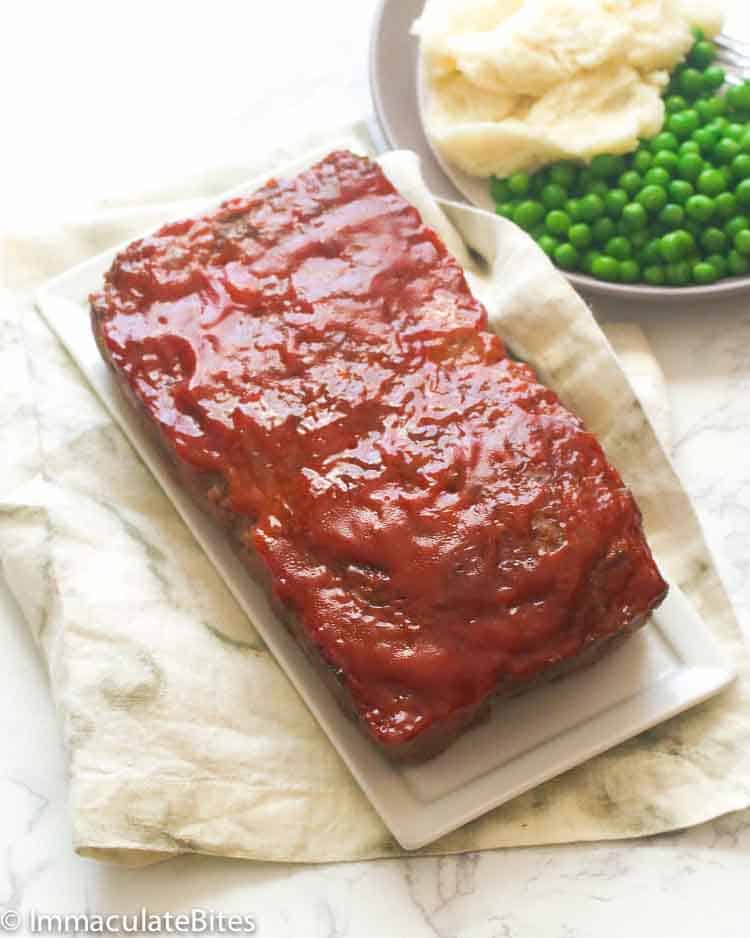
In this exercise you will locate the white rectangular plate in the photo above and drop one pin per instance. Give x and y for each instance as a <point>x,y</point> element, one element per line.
<point>667,667</point>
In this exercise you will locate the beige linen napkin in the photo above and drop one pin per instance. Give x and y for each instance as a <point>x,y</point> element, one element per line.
<point>183,734</point>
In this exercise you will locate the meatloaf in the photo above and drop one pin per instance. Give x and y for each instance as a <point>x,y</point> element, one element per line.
<point>428,518</point>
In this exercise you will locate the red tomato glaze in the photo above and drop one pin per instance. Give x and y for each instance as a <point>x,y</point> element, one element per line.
<point>434,516</point>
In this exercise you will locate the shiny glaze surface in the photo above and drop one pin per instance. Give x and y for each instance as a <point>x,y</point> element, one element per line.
<point>434,516</point>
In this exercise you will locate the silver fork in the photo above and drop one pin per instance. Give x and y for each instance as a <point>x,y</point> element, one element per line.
<point>733,55</point>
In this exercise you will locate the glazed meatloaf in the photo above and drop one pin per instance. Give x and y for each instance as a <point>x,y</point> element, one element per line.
<point>429,519</point>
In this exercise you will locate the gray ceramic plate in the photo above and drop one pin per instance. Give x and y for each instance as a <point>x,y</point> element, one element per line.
<point>393,82</point>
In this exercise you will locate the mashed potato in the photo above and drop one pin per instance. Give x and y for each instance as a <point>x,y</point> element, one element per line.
<point>514,84</point>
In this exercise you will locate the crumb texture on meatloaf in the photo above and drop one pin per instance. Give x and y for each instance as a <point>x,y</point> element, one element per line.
<point>436,522</point>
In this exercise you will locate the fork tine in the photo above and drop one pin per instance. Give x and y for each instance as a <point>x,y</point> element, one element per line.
<point>732,42</point>
<point>733,64</point>
<point>741,60</point>
<point>732,39</point>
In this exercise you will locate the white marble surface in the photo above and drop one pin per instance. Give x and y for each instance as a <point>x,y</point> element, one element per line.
<point>281,71</point>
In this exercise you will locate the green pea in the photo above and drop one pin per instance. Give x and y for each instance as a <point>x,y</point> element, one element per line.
<point>599,188</point>
<point>736,224</point>
<point>672,215</point>
<point>634,216</point>
<point>571,207</point>
<point>585,180</point>
<point>735,131</point>
<point>528,214</point>
<point>548,244</point>
<point>678,274</point>
<point>725,150</point>
<point>651,252</point>
<point>711,182</point>
<point>652,198</point>
<point>740,167</point>
<point>519,183</point>
<point>713,240</point>
<point>537,182</point>
<point>630,271</point>
<point>657,176</point>
<point>742,193</point>
<point>690,166</point>
<point>726,205</point>
<point>742,241</point>
<point>615,201</point>
<point>553,195</point>
<point>557,222</point>
<point>566,257</point>
<point>680,191</point>
<point>706,139</point>
<point>690,83</point>
<point>703,272</point>
<point>738,97</point>
<point>672,247</point>
<point>606,268</point>
<point>666,140</point>
<point>719,263</point>
<point>640,256</point>
<point>674,103</point>
<point>630,182</point>
<point>604,166</point>
<point>619,248</point>
<point>737,263</point>
<point>683,123</point>
<point>499,189</point>
<point>590,207</point>
<point>703,107</point>
<point>603,229</point>
<point>642,161</point>
<point>699,207</point>
<point>666,160</point>
<point>741,159</point>
<point>713,78</point>
<point>702,55</point>
<point>687,239</point>
<point>689,146</point>
<point>563,174</point>
<point>580,235</point>
<point>711,108</point>
<point>585,259</point>
<point>654,274</point>
<point>506,209</point>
